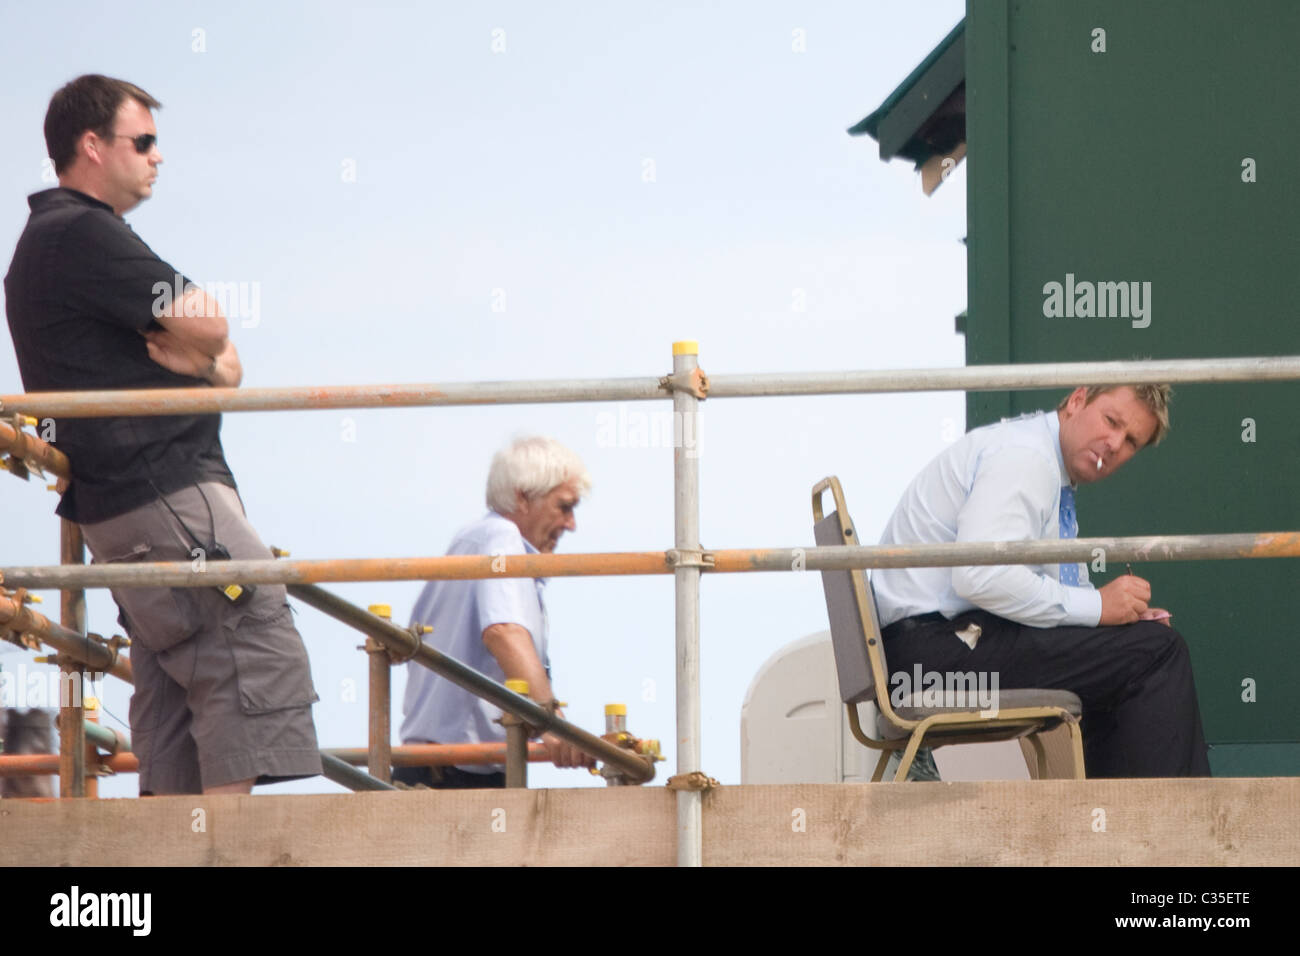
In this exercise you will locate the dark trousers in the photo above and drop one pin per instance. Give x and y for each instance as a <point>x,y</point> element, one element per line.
<point>447,778</point>
<point>1140,716</point>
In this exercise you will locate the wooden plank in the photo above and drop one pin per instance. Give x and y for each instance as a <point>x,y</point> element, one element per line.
<point>592,827</point>
<point>1200,822</point>
<point>1253,822</point>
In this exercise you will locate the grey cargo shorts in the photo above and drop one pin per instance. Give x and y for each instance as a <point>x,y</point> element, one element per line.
<point>222,693</point>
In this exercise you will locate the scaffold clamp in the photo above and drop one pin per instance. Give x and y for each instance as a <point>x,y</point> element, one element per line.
<point>417,632</point>
<point>686,558</point>
<point>17,635</point>
<point>696,381</point>
<point>695,780</point>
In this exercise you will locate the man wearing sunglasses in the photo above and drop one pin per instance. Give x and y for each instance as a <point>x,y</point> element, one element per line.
<point>223,689</point>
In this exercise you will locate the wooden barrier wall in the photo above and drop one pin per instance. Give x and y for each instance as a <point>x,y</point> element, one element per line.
<point>1253,822</point>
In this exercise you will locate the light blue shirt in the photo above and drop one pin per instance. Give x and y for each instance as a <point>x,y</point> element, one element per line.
<point>1001,482</point>
<point>435,709</point>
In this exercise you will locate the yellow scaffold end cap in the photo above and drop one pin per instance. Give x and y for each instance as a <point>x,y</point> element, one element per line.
<point>90,703</point>
<point>518,686</point>
<point>381,610</point>
<point>616,710</point>
<point>686,347</point>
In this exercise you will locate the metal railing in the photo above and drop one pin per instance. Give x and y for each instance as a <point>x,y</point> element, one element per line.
<point>78,649</point>
<point>975,378</point>
<point>687,385</point>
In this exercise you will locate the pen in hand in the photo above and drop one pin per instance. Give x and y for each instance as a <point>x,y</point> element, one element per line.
<point>1151,614</point>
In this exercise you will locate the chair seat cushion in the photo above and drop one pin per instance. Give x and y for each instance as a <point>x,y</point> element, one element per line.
<point>956,701</point>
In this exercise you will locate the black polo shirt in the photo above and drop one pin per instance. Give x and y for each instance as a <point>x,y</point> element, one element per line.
<point>80,290</point>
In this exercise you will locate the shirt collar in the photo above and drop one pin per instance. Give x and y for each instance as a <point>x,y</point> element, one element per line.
<point>528,545</point>
<point>61,195</point>
<point>528,548</point>
<point>1054,426</point>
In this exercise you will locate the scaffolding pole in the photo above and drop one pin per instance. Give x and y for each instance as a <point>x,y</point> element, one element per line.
<point>21,619</point>
<point>206,401</point>
<point>72,712</point>
<point>31,450</point>
<point>118,757</point>
<point>440,755</point>
<point>1183,547</point>
<point>379,702</point>
<point>975,378</point>
<point>686,572</point>
<point>407,646</point>
<point>995,378</point>
<point>346,775</point>
<point>32,765</point>
<point>380,730</point>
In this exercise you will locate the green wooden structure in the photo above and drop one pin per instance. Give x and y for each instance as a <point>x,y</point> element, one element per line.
<point>1131,195</point>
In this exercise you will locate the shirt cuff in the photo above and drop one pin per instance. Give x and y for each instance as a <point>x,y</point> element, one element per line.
<point>1082,607</point>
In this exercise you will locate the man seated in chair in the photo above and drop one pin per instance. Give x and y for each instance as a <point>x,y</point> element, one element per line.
<point>1045,625</point>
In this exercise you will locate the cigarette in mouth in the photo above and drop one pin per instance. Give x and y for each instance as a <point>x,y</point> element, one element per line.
<point>1099,463</point>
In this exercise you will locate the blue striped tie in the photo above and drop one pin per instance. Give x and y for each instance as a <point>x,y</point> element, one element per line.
<point>1069,529</point>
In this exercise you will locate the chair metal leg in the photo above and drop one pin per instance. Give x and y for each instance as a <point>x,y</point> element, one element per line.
<point>1040,752</point>
<point>904,765</point>
<point>880,765</point>
<point>1076,747</point>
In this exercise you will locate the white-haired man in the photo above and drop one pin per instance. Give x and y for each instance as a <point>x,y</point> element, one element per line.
<point>497,625</point>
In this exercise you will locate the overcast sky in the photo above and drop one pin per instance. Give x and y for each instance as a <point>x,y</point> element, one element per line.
<point>438,193</point>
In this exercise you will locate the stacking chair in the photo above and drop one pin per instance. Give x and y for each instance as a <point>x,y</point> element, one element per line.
<point>864,675</point>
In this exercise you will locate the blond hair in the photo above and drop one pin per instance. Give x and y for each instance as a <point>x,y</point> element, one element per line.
<point>1154,397</point>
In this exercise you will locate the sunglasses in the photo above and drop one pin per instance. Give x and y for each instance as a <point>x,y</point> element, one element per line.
<point>142,143</point>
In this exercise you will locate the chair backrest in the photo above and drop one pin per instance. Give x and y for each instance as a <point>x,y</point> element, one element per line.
<point>850,605</point>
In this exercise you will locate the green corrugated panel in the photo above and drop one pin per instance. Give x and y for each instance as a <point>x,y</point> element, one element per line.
<point>1127,166</point>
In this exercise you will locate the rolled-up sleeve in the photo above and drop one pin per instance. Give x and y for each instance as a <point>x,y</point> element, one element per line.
<point>506,601</point>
